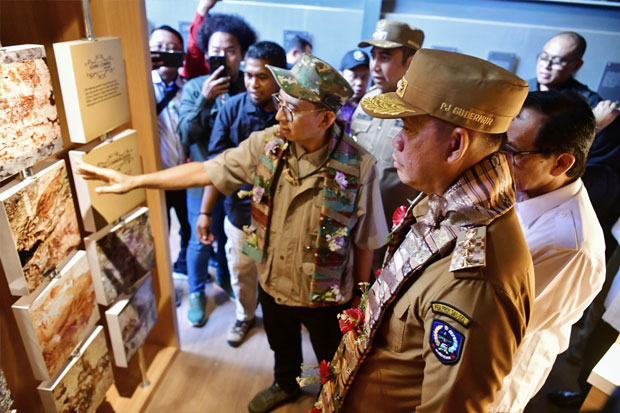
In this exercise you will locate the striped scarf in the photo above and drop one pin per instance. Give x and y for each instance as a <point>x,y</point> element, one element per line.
<point>482,194</point>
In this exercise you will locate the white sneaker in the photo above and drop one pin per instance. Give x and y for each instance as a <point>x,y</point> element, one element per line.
<point>237,332</point>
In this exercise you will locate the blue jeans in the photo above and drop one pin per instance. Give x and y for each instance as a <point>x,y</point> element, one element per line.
<point>198,254</point>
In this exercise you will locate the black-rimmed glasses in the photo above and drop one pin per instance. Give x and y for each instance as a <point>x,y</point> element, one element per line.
<point>288,112</point>
<point>557,62</point>
<point>516,155</point>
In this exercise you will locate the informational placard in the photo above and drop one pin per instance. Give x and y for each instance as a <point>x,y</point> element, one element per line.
<point>503,59</point>
<point>130,321</point>
<point>29,129</point>
<point>93,84</point>
<point>120,254</point>
<point>82,385</point>
<point>121,153</point>
<point>55,320</point>
<point>38,226</point>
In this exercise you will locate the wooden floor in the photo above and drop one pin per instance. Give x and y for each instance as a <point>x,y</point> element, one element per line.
<point>208,375</point>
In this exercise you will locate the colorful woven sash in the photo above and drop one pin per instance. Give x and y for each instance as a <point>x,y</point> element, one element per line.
<point>339,193</point>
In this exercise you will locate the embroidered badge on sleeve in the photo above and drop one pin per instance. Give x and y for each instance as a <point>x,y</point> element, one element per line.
<point>446,342</point>
<point>451,311</point>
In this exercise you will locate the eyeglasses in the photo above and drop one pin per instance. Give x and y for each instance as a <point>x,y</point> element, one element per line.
<point>557,62</point>
<point>516,156</point>
<point>288,112</point>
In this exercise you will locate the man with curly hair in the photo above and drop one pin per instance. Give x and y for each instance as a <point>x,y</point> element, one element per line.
<point>220,35</point>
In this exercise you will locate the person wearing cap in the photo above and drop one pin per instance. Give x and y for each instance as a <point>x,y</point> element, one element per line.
<point>452,302</point>
<point>315,209</point>
<point>393,46</point>
<point>355,69</point>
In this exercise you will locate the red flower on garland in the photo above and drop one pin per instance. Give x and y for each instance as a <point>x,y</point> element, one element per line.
<point>351,320</point>
<point>325,371</point>
<point>315,410</point>
<point>398,215</point>
<point>378,272</point>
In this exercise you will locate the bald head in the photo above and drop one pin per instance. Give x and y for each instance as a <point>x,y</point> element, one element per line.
<point>559,60</point>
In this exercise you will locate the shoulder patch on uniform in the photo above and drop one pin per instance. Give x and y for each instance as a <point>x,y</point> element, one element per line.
<point>470,249</point>
<point>446,342</point>
<point>451,311</point>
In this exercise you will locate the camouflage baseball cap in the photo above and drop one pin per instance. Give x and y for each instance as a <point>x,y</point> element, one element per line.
<point>314,80</point>
<point>390,34</point>
<point>460,89</point>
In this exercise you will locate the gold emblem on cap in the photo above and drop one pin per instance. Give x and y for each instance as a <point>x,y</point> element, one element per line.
<point>384,105</point>
<point>321,68</point>
<point>379,35</point>
<point>402,86</point>
<point>357,55</point>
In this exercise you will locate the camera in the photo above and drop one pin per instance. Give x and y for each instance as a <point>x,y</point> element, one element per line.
<point>169,59</point>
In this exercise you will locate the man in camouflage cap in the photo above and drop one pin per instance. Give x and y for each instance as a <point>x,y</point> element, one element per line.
<point>316,215</point>
<point>453,299</point>
<point>393,46</point>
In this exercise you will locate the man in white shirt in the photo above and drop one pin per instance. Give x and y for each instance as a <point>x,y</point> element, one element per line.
<point>547,148</point>
<point>167,85</point>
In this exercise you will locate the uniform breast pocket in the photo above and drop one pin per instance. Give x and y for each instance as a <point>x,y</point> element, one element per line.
<point>308,251</point>
<point>397,326</point>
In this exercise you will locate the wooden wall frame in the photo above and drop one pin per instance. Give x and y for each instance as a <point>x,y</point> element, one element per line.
<point>46,22</point>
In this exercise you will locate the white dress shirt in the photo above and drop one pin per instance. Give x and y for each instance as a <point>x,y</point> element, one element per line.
<point>172,151</point>
<point>612,301</point>
<point>568,251</point>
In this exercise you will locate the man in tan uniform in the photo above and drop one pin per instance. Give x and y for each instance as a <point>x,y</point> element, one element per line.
<point>453,300</point>
<point>393,46</point>
<point>316,215</point>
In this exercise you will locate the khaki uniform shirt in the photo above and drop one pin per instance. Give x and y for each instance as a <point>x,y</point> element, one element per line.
<point>375,135</point>
<point>402,374</point>
<point>289,262</point>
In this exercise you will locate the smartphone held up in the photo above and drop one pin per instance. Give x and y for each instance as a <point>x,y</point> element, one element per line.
<point>167,59</point>
<point>216,62</point>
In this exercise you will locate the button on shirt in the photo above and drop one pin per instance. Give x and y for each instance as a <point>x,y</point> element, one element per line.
<point>236,120</point>
<point>567,247</point>
<point>172,151</point>
<point>286,270</point>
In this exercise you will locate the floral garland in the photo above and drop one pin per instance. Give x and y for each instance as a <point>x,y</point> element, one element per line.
<point>350,321</point>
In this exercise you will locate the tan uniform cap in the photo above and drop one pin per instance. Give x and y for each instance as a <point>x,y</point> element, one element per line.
<point>390,34</point>
<point>457,88</point>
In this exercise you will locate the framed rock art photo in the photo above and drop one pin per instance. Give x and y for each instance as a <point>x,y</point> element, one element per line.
<point>29,129</point>
<point>82,385</point>
<point>130,321</point>
<point>55,321</point>
<point>38,226</point>
<point>121,254</point>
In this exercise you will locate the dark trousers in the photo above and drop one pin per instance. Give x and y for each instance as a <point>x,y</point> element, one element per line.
<point>603,185</point>
<point>283,328</point>
<point>177,200</point>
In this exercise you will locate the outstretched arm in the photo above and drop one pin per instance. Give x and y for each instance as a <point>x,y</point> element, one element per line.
<point>193,174</point>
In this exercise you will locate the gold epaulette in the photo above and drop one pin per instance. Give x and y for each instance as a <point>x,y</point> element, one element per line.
<point>470,249</point>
